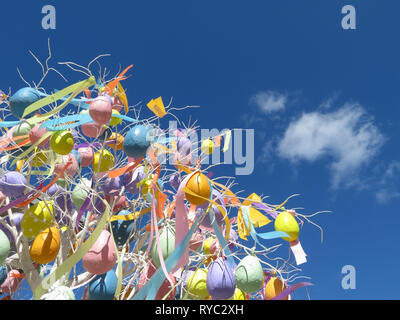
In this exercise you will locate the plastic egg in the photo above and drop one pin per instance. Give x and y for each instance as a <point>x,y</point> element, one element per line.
<point>13,184</point>
<point>3,274</point>
<point>101,257</point>
<point>167,242</point>
<point>60,293</point>
<point>37,218</point>
<point>137,141</point>
<point>120,203</point>
<point>4,246</point>
<point>118,144</point>
<point>199,185</point>
<point>249,275</point>
<point>274,287</point>
<point>196,241</point>
<point>219,216</point>
<point>79,195</point>
<point>174,180</point>
<point>131,179</point>
<point>39,158</point>
<point>197,284</point>
<point>239,295</point>
<point>22,99</point>
<point>207,146</point>
<point>12,282</point>
<point>115,120</point>
<point>92,129</point>
<point>122,228</point>
<point>165,287</point>
<point>220,280</point>
<point>111,186</point>
<point>64,201</point>
<point>61,163</point>
<point>285,222</point>
<point>36,133</point>
<point>86,156</point>
<point>62,142</point>
<point>103,286</point>
<point>21,129</point>
<point>207,245</point>
<point>100,110</point>
<point>45,247</point>
<point>103,161</point>
<point>16,218</point>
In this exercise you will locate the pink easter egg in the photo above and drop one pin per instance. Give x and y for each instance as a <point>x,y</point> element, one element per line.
<point>12,282</point>
<point>36,133</point>
<point>86,155</point>
<point>92,129</point>
<point>101,257</point>
<point>214,246</point>
<point>100,110</point>
<point>60,164</point>
<point>196,241</point>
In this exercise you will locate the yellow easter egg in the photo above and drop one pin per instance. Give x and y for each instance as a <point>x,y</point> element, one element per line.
<point>197,284</point>
<point>119,141</point>
<point>114,120</point>
<point>207,146</point>
<point>274,287</point>
<point>39,159</point>
<point>37,218</point>
<point>239,295</point>
<point>198,185</point>
<point>103,161</point>
<point>285,222</point>
<point>62,142</point>
<point>46,245</point>
<point>207,245</point>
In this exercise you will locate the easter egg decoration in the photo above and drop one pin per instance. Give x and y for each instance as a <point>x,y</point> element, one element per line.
<point>199,187</point>
<point>45,247</point>
<point>116,141</point>
<point>137,141</point>
<point>121,229</point>
<point>249,275</point>
<point>103,286</point>
<point>100,110</point>
<point>86,156</point>
<point>207,146</point>
<point>60,293</point>
<point>274,287</point>
<point>4,246</point>
<point>21,99</point>
<point>62,142</point>
<point>131,180</point>
<point>115,120</point>
<point>61,162</point>
<point>167,243</point>
<point>21,129</point>
<point>220,280</point>
<point>103,161</point>
<point>101,257</point>
<point>285,222</point>
<point>13,184</point>
<point>37,218</point>
<point>92,129</point>
<point>207,245</point>
<point>239,295</point>
<point>80,193</point>
<point>11,284</point>
<point>40,158</point>
<point>196,241</point>
<point>197,284</point>
<point>36,133</point>
<point>111,186</point>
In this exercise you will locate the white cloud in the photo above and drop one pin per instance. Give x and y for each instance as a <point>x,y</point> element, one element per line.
<point>347,137</point>
<point>269,101</point>
<point>387,189</point>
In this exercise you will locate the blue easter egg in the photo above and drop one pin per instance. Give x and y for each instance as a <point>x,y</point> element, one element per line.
<point>121,228</point>
<point>103,286</point>
<point>137,141</point>
<point>22,99</point>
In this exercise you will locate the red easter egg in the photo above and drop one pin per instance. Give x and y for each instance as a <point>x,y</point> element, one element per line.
<point>100,110</point>
<point>101,257</point>
<point>12,282</point>
<point>86,155</point>
<point>92,129</point>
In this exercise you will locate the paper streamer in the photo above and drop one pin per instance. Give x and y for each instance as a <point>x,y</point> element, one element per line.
<point>72,260</point>
<point>62,123</point>
<point>227,141</point>
<point>298,252</point>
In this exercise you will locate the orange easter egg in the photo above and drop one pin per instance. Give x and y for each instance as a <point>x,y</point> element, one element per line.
<point>198,185</point>
<point>46,245</point>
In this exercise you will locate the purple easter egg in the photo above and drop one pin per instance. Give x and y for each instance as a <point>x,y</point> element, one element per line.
<point>111,186</point>
<point>184,146</point>
<point>13,184</point>
<point>64,201</point>
<point>174,180</point>
<point>53,189</point>
<point>16,218</point>
<point>131,179</point>
<point>219,216</point>
<point>220,280</point>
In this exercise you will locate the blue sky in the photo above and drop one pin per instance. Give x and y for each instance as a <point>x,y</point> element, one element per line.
<point>323,102</point>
